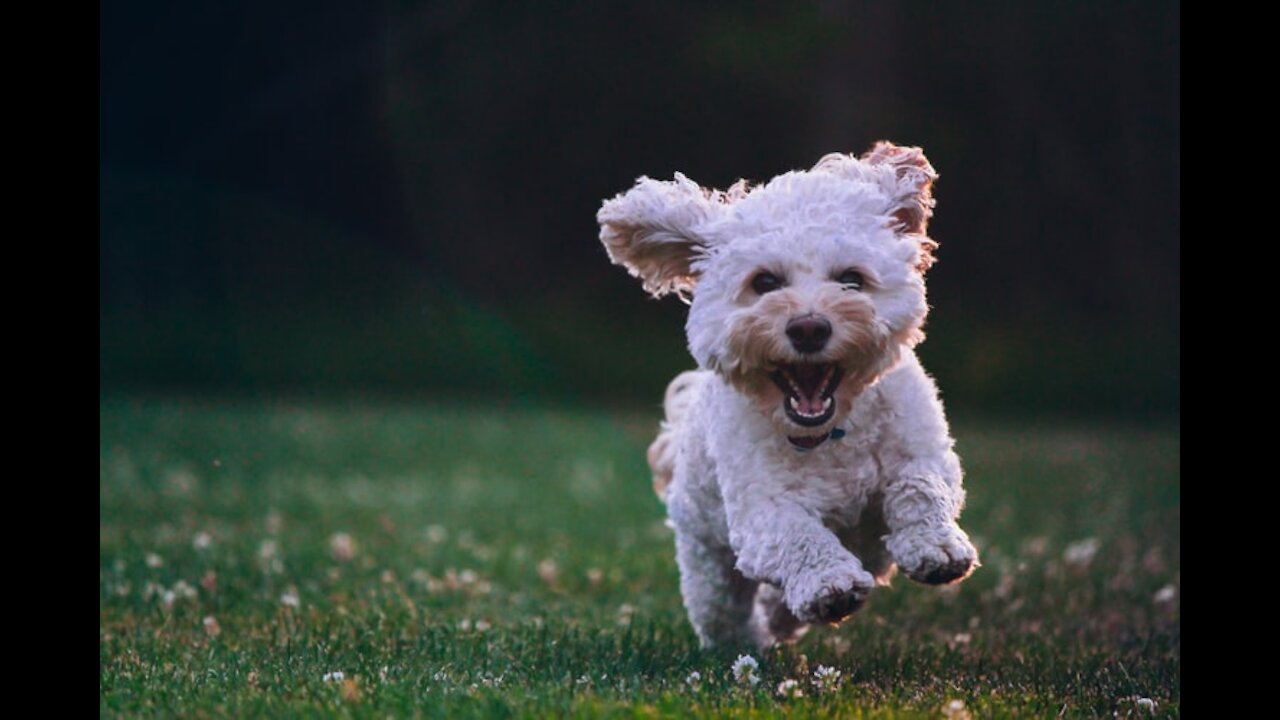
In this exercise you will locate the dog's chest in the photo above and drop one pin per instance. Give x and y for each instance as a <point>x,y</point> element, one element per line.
<point>835,480</point>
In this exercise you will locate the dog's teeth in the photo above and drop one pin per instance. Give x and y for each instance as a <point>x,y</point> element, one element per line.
<point>791,400</point>
<point>826,404</point>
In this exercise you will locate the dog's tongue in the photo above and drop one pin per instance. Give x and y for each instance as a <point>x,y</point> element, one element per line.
<point>810,379</point>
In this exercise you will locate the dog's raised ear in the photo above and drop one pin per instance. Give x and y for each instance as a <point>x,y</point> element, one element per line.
<point>913,194</point>
<point>909,187</point>
<point>657,229</point>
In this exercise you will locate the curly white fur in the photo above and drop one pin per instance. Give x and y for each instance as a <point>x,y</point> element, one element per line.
<point>785,519</point>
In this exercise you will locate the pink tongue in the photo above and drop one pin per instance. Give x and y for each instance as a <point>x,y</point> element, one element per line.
<point>809,406</point>
<point>809,378</point>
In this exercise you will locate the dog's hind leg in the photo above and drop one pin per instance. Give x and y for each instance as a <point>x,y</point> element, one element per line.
<point>772,621</point>
<point>662,452</point>
<point>719,599</point>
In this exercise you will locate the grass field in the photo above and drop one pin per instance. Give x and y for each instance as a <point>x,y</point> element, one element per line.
<point>384,559</point>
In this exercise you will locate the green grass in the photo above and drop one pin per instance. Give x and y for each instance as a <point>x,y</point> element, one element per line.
<point>514,562</point>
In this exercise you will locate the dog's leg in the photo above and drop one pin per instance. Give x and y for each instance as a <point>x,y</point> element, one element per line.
<point>716,595</point>
<point>921,505</point>
<point>779,542</point>
<point>772,621</point>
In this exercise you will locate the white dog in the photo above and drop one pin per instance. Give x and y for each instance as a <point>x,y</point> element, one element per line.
<point>809,455</point>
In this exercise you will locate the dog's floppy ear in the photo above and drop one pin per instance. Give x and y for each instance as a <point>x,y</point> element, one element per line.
<point>657,229</point>
<point>913,194</point>
<point>909,187</point>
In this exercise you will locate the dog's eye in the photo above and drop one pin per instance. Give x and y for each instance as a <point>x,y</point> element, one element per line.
<point>765,282</point>
<point>851,279</point>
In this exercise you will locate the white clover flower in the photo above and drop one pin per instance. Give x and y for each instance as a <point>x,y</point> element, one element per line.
<point>290,598</point>
<point>343,546</point>
<point>790,689</point>
<point>1080,553</point>
<point>548,571</point>
<point>268,550</point>
<point>154,560</point>
<point>1165,595</point>
<point>184,591</point>
<point>745,670</point>
<point>625,611</point>
<point>827,679</point>
<point>437,534</point>
<point>1146,704</point>
<point>269,557</point>
<point>335,676</point>
<point>693,680</point>
<point>956,710</point>
<point>211,626</point>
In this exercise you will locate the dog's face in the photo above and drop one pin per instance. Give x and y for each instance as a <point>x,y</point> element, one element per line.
<point>804,290</point>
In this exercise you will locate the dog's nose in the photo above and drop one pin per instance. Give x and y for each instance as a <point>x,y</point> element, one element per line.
<point>808,333</point>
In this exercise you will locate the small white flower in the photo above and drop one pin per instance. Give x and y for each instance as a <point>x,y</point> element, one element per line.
<point>167,597</point>
<point>268,549</point>
<point>827,679</point>
<point>440,676</point>
<point>790,689</point>
<point>269,557</point>
<point>482,625</point>
<point>437,534</point>
<point>343,546</point>
<point>693,680</point>
<point>290,598</point>
<point>202,541</point>
<point>211,626</point>
<point>154,560</point>
<point>745,670</point>
<point>184,591</point>
<point>1165,595</point>
<point>335,676</point>
<point>548,571</point>
<point>1146,704</point>
<point>955,710</point>
<point>1080,553</point>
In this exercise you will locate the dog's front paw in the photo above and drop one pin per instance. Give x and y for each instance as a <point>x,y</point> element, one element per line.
<point>829,596</point>
<point>935,555</point>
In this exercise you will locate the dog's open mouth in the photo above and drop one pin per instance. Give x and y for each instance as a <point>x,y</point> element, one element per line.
<point>807,390</point>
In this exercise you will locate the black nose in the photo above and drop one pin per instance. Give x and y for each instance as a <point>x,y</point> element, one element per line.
<point>808,333</point>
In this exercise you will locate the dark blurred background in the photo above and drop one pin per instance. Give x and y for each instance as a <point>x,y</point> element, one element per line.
<point>400,197</point>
